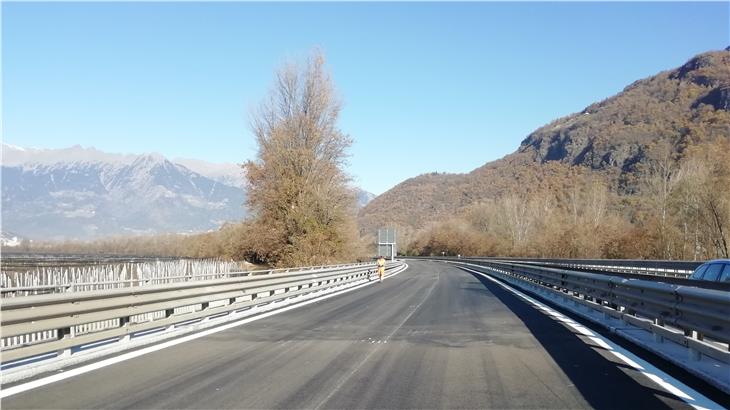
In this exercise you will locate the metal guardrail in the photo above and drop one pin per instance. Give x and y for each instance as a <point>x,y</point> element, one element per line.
<point>671,269</point>
<point>59,322</point>
<point>684,314</point>
<point>672,272</point>
<point>676,269</point>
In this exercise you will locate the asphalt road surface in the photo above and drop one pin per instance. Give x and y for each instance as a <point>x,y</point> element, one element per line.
<point>433,336</point>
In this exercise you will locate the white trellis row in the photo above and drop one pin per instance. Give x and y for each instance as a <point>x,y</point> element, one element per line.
<point>113,275</point>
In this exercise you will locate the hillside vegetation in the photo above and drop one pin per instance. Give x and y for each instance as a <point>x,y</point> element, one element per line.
<point>641,174</point>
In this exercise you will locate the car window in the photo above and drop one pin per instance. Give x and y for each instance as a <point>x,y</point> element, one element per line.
<point>725,276</point>
<point>699,272</point>
<point>713,272</point>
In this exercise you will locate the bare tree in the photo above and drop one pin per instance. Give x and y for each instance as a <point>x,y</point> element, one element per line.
<point>597,204</point>
<point>702,200</point>
<point>519,216</point>
<point>297,189</point>
<point>659,183</point>
<point>687,202</point>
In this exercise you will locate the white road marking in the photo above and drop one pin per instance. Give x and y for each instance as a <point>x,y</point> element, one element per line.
<point>667,382</point>
<point>666,385</point>
<point>600,342</point>
<point>7,392</point>
<point>628,361</point>
<point>581,329</point>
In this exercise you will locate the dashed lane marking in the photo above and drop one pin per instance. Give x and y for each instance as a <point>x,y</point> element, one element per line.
<point>357,367</point>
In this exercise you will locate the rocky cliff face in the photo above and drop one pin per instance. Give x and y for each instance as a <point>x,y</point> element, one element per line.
<point>617,132</point>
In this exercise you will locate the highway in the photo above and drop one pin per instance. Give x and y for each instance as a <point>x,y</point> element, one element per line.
<point>433,336</point>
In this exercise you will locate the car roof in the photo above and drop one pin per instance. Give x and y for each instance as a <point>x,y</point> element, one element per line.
<point>718,261</point>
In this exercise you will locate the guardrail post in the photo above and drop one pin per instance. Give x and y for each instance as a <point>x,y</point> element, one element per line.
<point>64,333</point>
<point>658,337</point>
<point>169,313</point>
<point>576,302</point>
<point>627,312</point>
<point>124,322</point>
<point>694,354</point>
<point>205,306</point>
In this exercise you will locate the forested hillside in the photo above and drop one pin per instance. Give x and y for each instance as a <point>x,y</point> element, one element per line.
<point>647,169</point>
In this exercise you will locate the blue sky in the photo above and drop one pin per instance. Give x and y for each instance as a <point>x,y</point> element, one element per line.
<point>427,87</point>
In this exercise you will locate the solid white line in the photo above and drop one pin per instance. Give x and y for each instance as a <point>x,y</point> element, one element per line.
<point>131,355</point>
<point>600,342</point>
<point>669,383</point>
<point>666,385</point>
<point>628,361</point>
<point>581,329</point>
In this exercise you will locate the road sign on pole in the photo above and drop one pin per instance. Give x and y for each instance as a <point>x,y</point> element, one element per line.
<point>387,243</point>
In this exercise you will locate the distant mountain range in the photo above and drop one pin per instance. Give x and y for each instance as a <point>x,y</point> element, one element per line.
<point>686,106</point>
<point>84,193</point>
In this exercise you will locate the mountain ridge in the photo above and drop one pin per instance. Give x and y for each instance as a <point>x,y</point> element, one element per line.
<point>685,106</point>
<point>84,193</point>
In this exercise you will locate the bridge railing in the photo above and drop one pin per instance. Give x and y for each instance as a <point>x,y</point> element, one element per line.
<point>694,317</point>
<point>56,324</point>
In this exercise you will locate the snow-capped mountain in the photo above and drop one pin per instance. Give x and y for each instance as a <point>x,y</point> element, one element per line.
<point>225,173</point>
<point>83,193</point>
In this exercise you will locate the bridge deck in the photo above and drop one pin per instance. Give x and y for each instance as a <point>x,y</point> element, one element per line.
<point>433,336</point>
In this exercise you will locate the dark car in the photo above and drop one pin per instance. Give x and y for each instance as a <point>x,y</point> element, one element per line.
<point>713,271</point>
